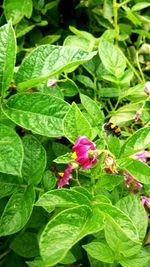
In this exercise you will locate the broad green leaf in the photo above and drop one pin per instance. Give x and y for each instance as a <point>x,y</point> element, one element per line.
<point>117,239</point>
<point>76,124</point>
<point>132,206</point>
<point>112,58</point>
<point>39,113</point>
<point>125,114</point>
<point>8,56</point>
<point>66,229</point>
<point>8,184</point>
<point>37,262</point>
<point>34,161</point>
<point>139,6</point>
<point>23,27</point>
<point>64,159</point>
<point>17,211</point>
<point>113,144</point>
<point>93,109</point>
<point>138,260</point>
<point>100,251</point>
<point>109,181</point>
<point>62,198</point>
<point>139,170</point>
<point>121,221</point>
<point>17,9</point>
<point>48,60</point>
<point>87,81</point>
<point>11,151</point>
<point>49,180</point>
<point>25,244</point>
<point>137,142</point>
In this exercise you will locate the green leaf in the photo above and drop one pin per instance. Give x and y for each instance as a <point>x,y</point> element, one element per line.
<point>48,60</point>
<point>34,161</point>
<point>100,251</point>
<point>112,58</point>
<point>140,6</point>
<point>23,27</point>
<point>114,146</point>
<point>39,113</point>
<point>26,245</point>
<point>37,262</point>
<point>66,229</point>
<point>120,232</point>
<point>8,56</point>
<point>137,142</point>
<point>17,9</point>
<point>125,114</point>
<point>109,181</point>
<point>62,198</point>
<point>93,109</point>
<point>8,184</point>
<point>11,151</point>
<point>49,180</point>
<point>131,205</point>
<point>17,211</point>
<point>76,124</point>
<point>138,170</point>
<point>64,159</point>
<point>138,260</point>
<point>117,239</point>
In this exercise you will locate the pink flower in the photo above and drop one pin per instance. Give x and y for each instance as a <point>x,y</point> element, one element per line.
<point>66,176</point>
<point>132,183</point>
<point>51,83</point>
<point>137,115</point>
<point>145,201</point>
<point>142,155</point>
<point>86,153</point>
<point>147,88</point>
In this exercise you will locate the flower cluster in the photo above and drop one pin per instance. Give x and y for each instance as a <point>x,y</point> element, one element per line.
<point>85,154</point>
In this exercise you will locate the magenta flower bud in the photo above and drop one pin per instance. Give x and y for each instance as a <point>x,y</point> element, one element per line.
<point>86,153</point>
<point>51,83</point>
<point>147,88</point>
<point>142,155</point>
<point>145,201</point>
<point>66,176</point>
<point>131,182</point>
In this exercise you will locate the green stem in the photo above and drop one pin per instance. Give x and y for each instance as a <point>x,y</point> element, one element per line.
<point>5,253</point>
<point>138,64</point>
<point>134,70</point>
<point>115,9</point>
<point>123,3</point>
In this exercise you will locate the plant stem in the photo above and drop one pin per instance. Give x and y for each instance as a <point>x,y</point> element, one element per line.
<point>134,70</point>
<point>115,9</point>
<point>123,3</point>
<point>5,253</point>
<point>138,64</point>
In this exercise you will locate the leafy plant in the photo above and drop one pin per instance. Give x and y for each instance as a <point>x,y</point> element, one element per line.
<point>75,133</point>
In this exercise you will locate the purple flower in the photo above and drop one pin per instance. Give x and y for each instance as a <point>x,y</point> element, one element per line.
<point>86,153</point>
<point>51,83</point>
<point>147,88</point>
<point>142,155</point>
<point>145,201</point>
<point>132,183</point>
<point>66,176</point>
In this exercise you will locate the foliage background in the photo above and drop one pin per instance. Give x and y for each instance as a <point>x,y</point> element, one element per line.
<point>97,53</point>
